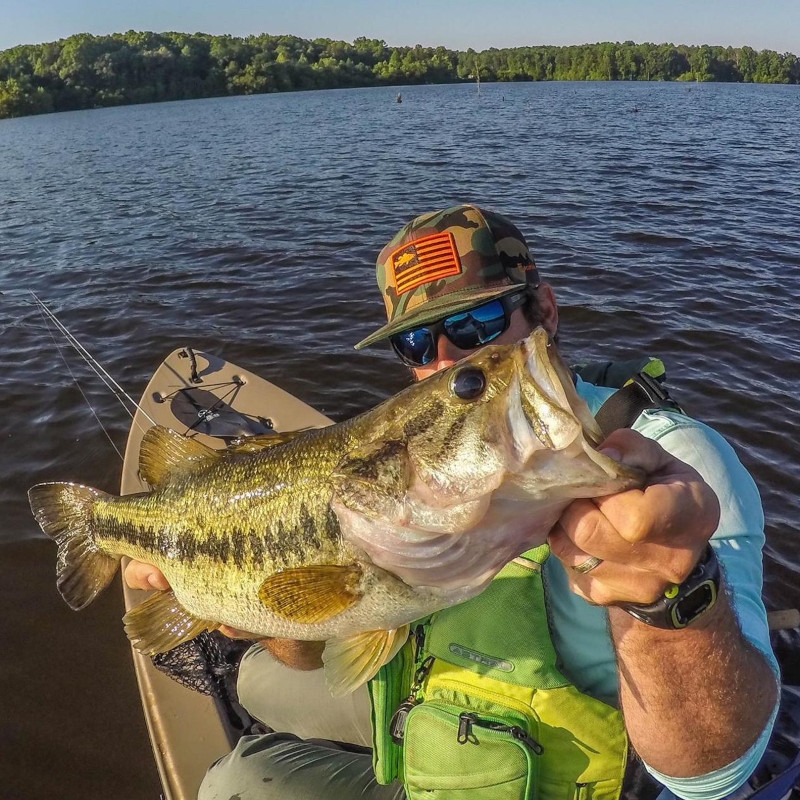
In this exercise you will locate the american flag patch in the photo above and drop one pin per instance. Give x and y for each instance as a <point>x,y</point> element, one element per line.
<point>426,260</point>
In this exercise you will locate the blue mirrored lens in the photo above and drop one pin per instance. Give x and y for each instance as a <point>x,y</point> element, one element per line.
<point>416,347</point>
<point>467,330</point>
<point>477,326</point>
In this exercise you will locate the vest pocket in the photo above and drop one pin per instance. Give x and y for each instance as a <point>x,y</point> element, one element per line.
<point>451,754</point>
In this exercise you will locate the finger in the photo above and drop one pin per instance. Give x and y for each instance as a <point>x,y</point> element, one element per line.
<point>586,529</point>
<point>139,575</point>
<point>611,584</point>
<point>565,550</point>
<point>681,510</point>
<point>675,498</point>
<point>646,541</point>
<point>635,450</point>
<point>235,633</point>
<point>607,583</point>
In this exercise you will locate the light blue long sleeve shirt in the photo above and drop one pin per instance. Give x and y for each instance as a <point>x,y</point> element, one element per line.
<point>580,630</point>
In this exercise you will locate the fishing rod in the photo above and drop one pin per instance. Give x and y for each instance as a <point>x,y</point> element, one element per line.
<point>126,401</point>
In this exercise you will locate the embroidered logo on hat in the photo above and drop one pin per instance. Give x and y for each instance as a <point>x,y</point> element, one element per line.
<point>425,260</point>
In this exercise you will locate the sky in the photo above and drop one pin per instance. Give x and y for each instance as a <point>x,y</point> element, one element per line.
<point>456,24</point>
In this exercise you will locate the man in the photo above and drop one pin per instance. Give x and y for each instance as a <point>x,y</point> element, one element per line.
<point>633,611</point>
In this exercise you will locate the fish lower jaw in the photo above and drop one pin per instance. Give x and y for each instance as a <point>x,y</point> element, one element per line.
<point>446,597</point>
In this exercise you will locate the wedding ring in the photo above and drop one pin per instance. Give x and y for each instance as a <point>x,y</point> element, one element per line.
<point>588,565</point>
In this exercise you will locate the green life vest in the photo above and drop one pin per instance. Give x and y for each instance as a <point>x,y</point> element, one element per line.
<point>487,712</point>
<point>475,704</point>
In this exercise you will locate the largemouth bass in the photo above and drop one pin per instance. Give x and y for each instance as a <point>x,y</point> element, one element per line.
<point>346,533</point>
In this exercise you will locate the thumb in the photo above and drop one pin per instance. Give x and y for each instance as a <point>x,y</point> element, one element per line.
<point>634,450</point>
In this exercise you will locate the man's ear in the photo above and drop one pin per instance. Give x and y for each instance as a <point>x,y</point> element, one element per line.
<point>548,307</point>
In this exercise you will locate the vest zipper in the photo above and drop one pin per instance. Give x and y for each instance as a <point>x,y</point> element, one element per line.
<point>581,791</point>
<point>466,721</point>
<point>397,724</point>
<point>523,709</point>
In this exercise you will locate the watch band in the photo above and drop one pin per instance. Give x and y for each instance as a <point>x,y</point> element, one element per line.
<point>682,604</point>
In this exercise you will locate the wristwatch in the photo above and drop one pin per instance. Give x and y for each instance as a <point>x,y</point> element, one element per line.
<point>682,604</point>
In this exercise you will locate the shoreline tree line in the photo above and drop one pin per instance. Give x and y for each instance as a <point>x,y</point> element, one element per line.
<point>86,71</point>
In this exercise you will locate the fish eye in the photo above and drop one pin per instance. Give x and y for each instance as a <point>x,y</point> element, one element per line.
<point>468,383</point>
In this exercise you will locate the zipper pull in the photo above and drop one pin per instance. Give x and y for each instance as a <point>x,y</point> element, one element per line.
<point>522,736</point>
<point>422,673</point>
<point>397,725</point>
<point>419,637</point>
<point>465,723</point>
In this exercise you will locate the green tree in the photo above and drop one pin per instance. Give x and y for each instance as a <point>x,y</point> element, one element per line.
<point>85,71</point>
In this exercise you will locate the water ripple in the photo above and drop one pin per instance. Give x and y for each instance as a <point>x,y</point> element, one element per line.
<point>249,226</point>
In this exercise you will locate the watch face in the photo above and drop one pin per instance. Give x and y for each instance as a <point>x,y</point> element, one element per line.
<point>690,607</point>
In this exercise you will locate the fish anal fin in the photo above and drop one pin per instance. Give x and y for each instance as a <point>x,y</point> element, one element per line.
<point>313,593</point>
<point>352,661</point>
<point>165,453</point>
<point>65,512</point>
<point>160,623</point>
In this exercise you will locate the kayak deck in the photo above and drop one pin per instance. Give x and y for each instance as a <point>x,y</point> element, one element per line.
<point>203,397</point>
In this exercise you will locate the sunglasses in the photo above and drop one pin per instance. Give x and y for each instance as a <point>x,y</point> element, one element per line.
<point>467,330</point>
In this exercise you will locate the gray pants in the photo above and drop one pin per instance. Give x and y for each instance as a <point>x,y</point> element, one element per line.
<point>281,766</point>
<point>305,757</point>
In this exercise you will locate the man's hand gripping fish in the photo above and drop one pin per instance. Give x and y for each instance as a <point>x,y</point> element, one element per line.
<point>346,533</point>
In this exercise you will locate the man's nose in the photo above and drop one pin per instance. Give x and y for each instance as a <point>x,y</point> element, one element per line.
<point>447,353</point>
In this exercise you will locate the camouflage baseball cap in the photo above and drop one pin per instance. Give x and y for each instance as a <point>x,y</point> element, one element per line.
<point>449,261</point>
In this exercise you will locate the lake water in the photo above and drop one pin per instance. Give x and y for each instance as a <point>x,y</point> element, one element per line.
<point>665,215</point>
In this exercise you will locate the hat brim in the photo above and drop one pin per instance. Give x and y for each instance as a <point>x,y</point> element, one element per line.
<point>451,303</point>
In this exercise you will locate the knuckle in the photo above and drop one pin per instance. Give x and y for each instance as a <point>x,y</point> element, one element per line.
<point>637,528</point>
<point>601,596</point>
<point>649,590</point>
<point>590,531</point>
<point>651,595</point>
<point>677,569</point>
<point>559,546</point>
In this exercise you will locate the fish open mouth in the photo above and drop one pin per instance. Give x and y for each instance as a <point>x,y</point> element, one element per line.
<point>549,415</point>
<point>480,488</point>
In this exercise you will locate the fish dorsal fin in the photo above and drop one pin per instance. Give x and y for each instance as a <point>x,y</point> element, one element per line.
<point>353,661</point>
<point>262,441</point>
<point>165,453</point>
<point>312,594</point>
<point>161,623</point>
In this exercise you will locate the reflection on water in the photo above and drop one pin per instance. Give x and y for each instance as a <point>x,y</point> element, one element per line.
<point>248,227</point>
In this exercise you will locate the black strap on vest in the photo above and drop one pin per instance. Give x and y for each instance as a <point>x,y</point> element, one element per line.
<point>622,409</point>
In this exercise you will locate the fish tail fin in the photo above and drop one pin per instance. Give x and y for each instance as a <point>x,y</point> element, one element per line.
<point>64,512</point>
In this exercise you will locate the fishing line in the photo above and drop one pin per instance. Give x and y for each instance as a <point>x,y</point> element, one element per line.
<point>93,364</point>
<point>83,394</point>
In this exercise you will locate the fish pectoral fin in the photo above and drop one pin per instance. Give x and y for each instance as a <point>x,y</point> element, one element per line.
<point>313,593</point>
<point>374,479</point>
<point>160,623</point>
<point>165,453</point>
<point>262,441</point>
<point>353,661</point>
